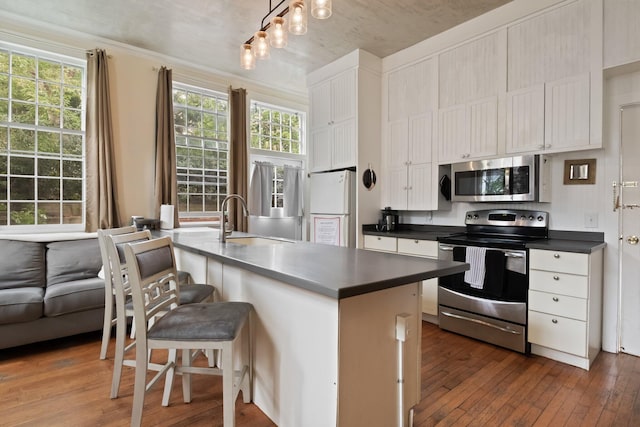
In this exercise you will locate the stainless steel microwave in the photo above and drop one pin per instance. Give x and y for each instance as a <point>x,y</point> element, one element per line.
<point>509,179</point>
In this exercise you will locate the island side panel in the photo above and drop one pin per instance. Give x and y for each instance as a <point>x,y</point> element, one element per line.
<point>296,349</point>
<point>368,373</point>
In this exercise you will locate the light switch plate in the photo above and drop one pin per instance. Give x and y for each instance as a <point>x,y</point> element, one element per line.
<point>591,220</point>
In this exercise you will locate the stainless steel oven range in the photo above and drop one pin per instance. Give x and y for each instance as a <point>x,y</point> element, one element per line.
<point>489,302</point>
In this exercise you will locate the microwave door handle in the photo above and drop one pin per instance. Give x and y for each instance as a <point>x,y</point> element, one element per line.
<point>507,181</point>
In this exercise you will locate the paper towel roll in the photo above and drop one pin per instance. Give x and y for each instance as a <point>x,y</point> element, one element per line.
<point>166,217</point>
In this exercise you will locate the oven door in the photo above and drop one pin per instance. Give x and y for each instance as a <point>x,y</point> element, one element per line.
<point>505,280</point>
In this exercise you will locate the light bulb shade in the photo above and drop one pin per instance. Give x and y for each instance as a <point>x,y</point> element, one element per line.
<point>247,58</point>
<point>297,17</point>
<point>321,9</point>
<point>277,32</point>
<point>261,41</point>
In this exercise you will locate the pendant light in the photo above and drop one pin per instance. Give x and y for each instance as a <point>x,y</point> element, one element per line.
<point>261,40</point>
<point>321,9</point>
<point>247,58</point>
<point>277,32</point>
<point>298,17</point>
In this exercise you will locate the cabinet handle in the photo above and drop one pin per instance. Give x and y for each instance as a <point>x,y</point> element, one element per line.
<point>555,299</point>
<point>556,278</point>
<point>379,238</point>
<point>541,146</point>
<point>556,256</point>
<point>554,321</point>
<point>416,241</point>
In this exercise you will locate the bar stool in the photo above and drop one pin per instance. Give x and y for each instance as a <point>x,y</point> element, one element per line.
<point>212,326</point>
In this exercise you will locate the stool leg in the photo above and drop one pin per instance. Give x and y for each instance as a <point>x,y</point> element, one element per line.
<point>107,325</point>
<point>228,401</point>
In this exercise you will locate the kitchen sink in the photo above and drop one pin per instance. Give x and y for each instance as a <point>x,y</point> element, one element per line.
<point>255,241</point>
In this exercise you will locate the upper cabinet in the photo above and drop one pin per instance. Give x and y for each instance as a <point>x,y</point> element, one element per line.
<point>412,94</point>
<point>333,122</point>
<point>471,79</point>
<point>621,32</point>
<point>554,75</point>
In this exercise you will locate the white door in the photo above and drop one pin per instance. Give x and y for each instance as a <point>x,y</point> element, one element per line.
<point>629,212</point>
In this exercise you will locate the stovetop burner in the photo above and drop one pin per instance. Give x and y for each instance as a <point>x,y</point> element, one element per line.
<point>502,228</point>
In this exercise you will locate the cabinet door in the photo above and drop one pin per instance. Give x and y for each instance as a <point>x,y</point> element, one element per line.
<point>320,114</point>
<point>567,113</point>
<point>453,140</point>
<point>343,96</point>
<point>397,192</point>
<point>525,119</point>
<point>621,32</point>
<point>420,138</point>
<point>398,144</point>
<point>430,296</point>
<point>320,149</point>
<point>343,144</point>
<point>483,123</point>
<point>420,187</point>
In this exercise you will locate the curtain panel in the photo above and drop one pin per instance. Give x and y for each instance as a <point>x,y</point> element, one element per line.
<point>292,191</point>
<point>261,189</point>
<point>101,195</point>
<point>166,175</point>
<point>239,157</point>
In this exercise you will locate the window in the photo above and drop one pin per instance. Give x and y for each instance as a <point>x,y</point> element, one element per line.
<point>276,129</point>
<point>202,150</point>
<point>279,131</point>
<point>42,134</point>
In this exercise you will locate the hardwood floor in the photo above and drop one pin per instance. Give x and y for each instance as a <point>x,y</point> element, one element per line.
<point>464,383</point>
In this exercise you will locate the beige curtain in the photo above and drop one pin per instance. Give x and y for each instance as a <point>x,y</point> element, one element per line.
<point>101,194</point>
<point>166,182</point>
<point>239,160</point>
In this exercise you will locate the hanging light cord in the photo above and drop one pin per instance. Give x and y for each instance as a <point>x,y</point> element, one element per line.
<point>271,10</point>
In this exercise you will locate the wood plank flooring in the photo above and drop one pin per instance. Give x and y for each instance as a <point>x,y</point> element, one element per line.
<point>464,383</point>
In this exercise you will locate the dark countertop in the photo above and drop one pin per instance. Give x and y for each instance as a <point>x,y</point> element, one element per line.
<point>566,241</point>
<point>332,271</point>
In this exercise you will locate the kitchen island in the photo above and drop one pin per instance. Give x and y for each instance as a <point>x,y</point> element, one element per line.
<point>326,325</point>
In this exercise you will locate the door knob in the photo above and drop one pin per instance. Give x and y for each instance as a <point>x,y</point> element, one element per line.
<point>633,240</point>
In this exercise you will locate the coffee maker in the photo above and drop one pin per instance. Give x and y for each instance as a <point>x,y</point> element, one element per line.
<point>389,220</point>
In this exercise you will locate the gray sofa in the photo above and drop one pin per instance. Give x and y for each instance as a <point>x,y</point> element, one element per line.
<point>49,289</point>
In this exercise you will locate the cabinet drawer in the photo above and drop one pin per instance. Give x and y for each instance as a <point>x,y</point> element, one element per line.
<point>558,333</point>
<point>559,283</point>
<point>430,296</point>
<point>563,262</point>
<point>380,243</point>
<point>559,305</point>
<point>426,248</point>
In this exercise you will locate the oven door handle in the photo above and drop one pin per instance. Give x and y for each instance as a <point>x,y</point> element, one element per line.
<point>514,255</point>
<point>480,322</point>
<point>445,248</point>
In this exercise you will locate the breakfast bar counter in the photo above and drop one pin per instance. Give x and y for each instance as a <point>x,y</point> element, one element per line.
<point>336,330</point>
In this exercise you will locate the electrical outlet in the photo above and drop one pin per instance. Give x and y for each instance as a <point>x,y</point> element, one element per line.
<point>591,220</point>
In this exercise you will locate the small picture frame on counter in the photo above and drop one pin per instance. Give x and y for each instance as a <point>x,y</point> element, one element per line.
<point>580,171</point>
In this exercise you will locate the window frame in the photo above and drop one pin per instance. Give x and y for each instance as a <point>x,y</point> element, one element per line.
<point>61,132</point>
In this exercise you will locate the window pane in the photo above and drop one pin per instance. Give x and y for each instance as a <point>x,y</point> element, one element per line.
<point>72,169</point>
<point>3,214</point>
<point>22,214</point>
<point>48,70</point>
<point>48,189</point>
<point>4,61</point>
<point>23,65</point>
<point>49,213</point>
<point>48,142</point>
<point>4,110</point>
<point>22,166</point>
<point>4,86</point>
<point>72,119</point>
<point>72,213</point>
<point>71,144</point>
<point>49,116</point>
<point>23,113</point>
<point>21,188</point>
<point>73,76</point>
<point>71,189</point>
<point>22,140</point>
<point>48,93</point>
<point>72,97</point>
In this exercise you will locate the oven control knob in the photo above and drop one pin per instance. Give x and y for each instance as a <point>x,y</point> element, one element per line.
<point>476,216</point>
<point>540,218</point>
<point>468,216</point>
<point>530,217</point>
<point>523,217</point>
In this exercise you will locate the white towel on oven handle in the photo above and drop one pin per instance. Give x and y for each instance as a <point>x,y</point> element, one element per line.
<point>475,257</point>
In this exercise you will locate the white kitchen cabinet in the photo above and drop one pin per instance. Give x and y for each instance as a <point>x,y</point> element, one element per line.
<point>468,131</point>
<point>565,305</point>
<point>333,122</point>
<point>554,75</point>
<point>471,78</point>
<point>412,90</point>
<point>409,146</point>
<point>412,247</point>
<point>621,32</point>
<point>426,249</point>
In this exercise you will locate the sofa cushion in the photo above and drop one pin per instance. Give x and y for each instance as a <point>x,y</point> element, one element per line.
<point>20,304</point>
<point>21,264</point>
<point>73,296</point>
<point>72,260</point>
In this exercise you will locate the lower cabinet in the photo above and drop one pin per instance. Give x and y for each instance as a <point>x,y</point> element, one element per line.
<point>413,247</point>
<point>565,305</point>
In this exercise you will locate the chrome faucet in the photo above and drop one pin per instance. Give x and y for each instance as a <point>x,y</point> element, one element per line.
<point>223,234</point>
